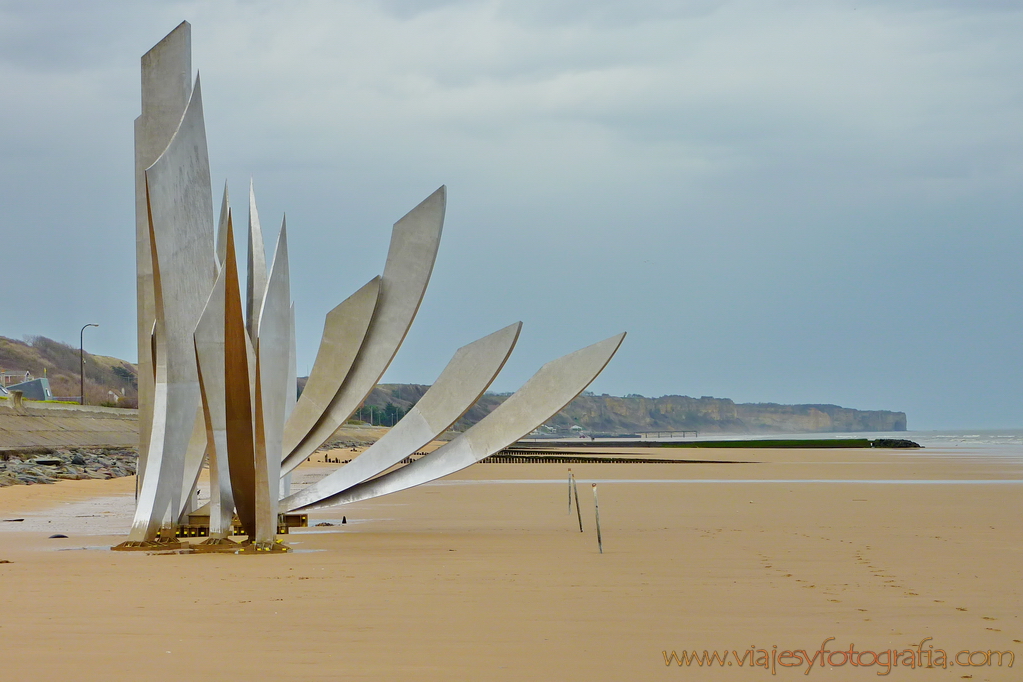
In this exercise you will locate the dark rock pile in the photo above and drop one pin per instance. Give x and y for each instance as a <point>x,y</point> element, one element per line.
<point>341,444</point>
<point>894,443</point>
<point>72,465</point>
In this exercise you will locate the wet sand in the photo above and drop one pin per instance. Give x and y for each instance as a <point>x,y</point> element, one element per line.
<point>485,575</point>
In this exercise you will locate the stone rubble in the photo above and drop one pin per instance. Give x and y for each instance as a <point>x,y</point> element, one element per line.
<point>71,464</point>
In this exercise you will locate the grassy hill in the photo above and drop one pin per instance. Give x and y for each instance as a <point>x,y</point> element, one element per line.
<point>59,363</point>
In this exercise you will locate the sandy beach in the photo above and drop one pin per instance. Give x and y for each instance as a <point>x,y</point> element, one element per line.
<point>485,575</point>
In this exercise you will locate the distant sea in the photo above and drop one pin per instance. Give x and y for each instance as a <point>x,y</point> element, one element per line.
<point>985,439</point>
<point>964,441</point>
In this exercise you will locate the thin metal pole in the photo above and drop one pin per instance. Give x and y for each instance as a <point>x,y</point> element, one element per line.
<point>596,508</point>
<point>578,509</point>
<point>81,364</point>
<point>569,491</point>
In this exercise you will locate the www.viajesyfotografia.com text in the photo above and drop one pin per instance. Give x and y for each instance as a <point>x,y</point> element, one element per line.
<point>916,656</point>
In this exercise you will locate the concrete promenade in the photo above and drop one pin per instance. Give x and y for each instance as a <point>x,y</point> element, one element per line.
<point>51,425</point>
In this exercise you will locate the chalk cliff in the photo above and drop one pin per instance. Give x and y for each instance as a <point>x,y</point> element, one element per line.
<point>675,413</point>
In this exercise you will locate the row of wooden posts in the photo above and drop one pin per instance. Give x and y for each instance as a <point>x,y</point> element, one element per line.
<point>573,491</point>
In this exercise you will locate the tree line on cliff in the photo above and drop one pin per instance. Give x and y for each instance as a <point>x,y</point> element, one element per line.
<point>607,414</point>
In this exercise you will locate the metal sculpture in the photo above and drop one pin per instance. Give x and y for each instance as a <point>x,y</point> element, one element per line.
<point>217,374</point>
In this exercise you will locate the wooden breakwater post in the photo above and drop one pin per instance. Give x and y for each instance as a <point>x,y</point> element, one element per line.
<point>578,511</point>
<point>596,509</point>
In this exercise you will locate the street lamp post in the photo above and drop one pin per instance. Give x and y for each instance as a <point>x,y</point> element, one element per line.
<point>81,363</point>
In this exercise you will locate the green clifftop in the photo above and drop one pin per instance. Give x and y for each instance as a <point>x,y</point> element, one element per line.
<point>636,414</point>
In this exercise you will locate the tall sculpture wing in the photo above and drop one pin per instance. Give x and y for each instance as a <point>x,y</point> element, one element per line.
<point>166,88</point>
<point>225,212</point>
<point>291,399</point>
<point>256,281</point>
<point>180,206</point>
<point>540,398</point>
<point>410,259</point>
<point>469,373</point>
<point>209,351</point>
<point>272,369</point>
<point>239,373</point>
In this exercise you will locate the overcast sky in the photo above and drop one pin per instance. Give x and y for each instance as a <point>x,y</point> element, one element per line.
<point>780,201</point>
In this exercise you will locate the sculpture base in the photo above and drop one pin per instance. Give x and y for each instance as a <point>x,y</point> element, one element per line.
<point>275,547</point>
<point>217,545</point>
<point>147,545</point>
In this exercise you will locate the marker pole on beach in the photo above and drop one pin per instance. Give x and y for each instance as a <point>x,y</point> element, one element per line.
<point>570,491</point>
<point>578,510</point>
<point>596,509</point>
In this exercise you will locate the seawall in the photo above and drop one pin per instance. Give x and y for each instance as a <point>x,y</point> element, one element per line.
<point>51,425</point>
